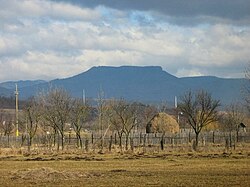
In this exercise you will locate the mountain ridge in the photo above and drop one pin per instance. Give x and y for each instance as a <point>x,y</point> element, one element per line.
<point>139,83</point>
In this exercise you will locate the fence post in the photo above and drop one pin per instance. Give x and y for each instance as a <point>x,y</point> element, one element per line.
<point>162,142</point>
<point>87,145</point>
<point>140,138</point>
<point>115,139</point>
<point>110,143</point>
<point>235,141</point>
<point>92,138</point>
<point>189,137</point>
<point>227,144</point>
<point>144,143</point>
<point>132,144</point>
<point>213,138</point>
<point>194,145</point>
<point>204,140</point>
<point>172,140</point>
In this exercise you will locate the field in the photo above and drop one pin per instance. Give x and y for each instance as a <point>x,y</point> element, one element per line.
<point>162,169</point>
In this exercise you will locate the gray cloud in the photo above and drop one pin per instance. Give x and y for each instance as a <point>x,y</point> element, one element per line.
<point>233,10</point>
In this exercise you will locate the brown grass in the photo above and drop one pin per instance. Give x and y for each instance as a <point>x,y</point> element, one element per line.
<point>165,169</point>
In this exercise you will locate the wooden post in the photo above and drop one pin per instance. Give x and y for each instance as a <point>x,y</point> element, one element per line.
<point>213,138</point>
<point>110,143</point>
<point>194,147</point>
<point>92,138</point>
<point>204,140</point>
<point>172,142</point>
<point>227,144</point>
<point>189,137</point>
<point>115,139</point>
<point>144,143</point>
<point>87,145</point>
<point>132,144</point>
<point>162,142</point>
<point>140,138</point>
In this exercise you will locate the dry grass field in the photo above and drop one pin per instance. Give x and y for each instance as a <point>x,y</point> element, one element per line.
<point>162,169</point>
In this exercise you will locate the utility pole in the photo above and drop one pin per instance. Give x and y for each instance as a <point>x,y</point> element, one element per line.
<point>16,94</point>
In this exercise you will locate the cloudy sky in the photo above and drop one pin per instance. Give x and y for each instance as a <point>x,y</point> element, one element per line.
<point>47,39</point>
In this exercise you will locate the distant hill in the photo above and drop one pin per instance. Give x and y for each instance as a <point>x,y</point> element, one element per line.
<point>5,92</point>
<point>11,85</point>
<point>148,84</point>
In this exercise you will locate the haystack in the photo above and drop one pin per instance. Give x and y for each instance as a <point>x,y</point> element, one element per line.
<point>163,123</point>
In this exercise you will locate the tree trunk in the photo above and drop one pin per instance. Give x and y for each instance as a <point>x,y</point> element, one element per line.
<point>23,139</point>
<point>237,135</point>
<point>29,143</point>
<point>58,141</point>
<point>120,140</point>
<point>54,137</point>
<point>230,139</point>
<point>62,139</point>
<point>79,140</point>
<point>126,141</point>
<point>196,143</point>
<point>110,143</point>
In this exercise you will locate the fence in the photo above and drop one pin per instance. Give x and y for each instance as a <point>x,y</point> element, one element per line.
<point>95,140</point>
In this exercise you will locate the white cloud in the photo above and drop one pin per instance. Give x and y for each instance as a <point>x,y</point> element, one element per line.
<point>46,40</point>
<point>188,73</point>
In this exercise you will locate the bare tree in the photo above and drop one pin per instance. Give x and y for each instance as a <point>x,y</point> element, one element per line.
<point>32,115</point>
<point>56,105</point>
<point>78,116</point>
<point>114,120</point>
<point>127,115</point>
<point>7,124</point>
<point>102,109</point>
<point>200,110</point>
<point>231,120</point>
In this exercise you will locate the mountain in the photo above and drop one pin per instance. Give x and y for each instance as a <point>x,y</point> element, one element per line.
<point>5,92</point>
<point>11,85</point>
<point>146,84</point>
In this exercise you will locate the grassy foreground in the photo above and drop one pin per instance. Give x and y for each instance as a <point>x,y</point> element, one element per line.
<point>126,170</point>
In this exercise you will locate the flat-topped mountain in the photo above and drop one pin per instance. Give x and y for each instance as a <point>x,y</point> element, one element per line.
<point>145,84</point>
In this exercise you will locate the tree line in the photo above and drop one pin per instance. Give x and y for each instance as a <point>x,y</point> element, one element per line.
<point>55,112</point>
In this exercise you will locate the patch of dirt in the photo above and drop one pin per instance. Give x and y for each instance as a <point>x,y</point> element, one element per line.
<point>7,158</point>
<point>143,174</point>
<point>48,174</point>
<point>118,170</point>
<point>75,158</point>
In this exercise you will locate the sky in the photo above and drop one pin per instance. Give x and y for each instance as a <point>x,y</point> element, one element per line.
<point>48,39</point>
